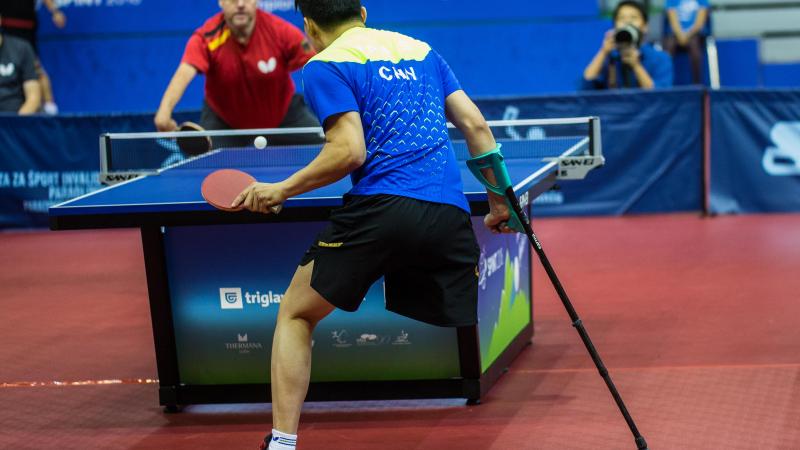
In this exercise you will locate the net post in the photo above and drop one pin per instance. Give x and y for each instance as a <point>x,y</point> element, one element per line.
<point>105,155</point>
<point>595,137</point>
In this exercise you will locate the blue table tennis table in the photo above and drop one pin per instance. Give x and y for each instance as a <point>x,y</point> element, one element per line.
<point>212,278</point>
<point>173,194</point>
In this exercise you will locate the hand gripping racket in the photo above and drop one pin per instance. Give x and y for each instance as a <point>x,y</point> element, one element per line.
<point>220,189</point>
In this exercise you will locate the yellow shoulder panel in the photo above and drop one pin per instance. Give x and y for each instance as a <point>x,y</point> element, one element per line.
<point>359,45</point>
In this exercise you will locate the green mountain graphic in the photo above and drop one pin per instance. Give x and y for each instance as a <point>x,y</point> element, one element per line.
<point>512,317</point>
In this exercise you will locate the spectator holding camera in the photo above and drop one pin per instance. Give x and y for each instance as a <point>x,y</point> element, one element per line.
<point>687,22</point>
<point>624,60</point>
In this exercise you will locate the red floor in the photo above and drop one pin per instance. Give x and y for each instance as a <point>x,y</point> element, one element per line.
<point>695,318</point>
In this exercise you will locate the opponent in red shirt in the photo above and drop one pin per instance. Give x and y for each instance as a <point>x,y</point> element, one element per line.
<point>247,56</point>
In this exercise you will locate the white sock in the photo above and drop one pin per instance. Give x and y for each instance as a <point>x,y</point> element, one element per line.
<point>282,441</point>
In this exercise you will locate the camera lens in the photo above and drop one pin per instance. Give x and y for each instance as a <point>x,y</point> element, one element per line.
<point>627,35</point>
<point>623,37</point>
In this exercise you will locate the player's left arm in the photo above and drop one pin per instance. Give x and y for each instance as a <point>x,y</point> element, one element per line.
<point>344,151</point>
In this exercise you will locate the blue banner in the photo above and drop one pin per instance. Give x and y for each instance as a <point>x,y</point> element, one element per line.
<point>45,161</point>
<point>652,142</point>
<point>755,151</point>
<point>224,308</point>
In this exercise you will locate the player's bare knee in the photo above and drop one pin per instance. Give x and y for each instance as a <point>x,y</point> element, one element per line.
<point>310,309</point>
<point>308,317</point>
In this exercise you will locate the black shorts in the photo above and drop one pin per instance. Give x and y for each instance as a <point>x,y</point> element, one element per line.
<point>426,251</point>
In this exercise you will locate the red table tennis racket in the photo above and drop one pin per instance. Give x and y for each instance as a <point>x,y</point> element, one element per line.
<point>221,187</point>
<point>194,145</point>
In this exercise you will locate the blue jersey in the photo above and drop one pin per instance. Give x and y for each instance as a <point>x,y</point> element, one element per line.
<point>687,10</point>
<point>398,85</point>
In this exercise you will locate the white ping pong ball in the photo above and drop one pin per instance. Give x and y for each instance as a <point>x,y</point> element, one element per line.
<point>260,142</point>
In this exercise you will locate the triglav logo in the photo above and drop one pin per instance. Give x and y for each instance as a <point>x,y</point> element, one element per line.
<point>243,344</point>
<point>234,298</point>
<point>784,158</point>
<point>230,298</point>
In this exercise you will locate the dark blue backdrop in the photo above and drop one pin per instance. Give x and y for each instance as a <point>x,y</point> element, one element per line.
<point>652,142</point>
<point>46,160</point>
<point>120,58</point>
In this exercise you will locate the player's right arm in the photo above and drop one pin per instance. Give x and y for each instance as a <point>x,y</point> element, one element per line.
<point>344,151</point>
<point>177,86</point>
<point>195,59</point>
<point>466,116</point>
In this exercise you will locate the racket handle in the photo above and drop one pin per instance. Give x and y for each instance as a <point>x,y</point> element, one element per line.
<point>276,209</point>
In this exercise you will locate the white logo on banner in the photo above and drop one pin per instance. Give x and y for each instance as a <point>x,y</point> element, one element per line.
<point>340,339</point>
<point>236,298</point>
<point>401,339</point>
<point>243,344</point>
<point>96,3</point>
<point>488,265</point>
<point>784,158</point>
<point>533,133</point>
<point>276,5</point>
<point>231,298</point>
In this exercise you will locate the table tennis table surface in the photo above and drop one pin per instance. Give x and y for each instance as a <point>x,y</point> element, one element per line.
<point>177,189</point>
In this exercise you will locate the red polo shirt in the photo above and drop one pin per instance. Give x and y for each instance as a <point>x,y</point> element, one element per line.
<point>249,86</point>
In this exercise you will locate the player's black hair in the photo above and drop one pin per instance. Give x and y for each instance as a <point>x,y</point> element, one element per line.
<point>633,4</point>
<point>329,13</point>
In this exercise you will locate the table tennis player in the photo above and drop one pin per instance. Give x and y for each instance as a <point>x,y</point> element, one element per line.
<point>247,56</point>
<point>384,100</point>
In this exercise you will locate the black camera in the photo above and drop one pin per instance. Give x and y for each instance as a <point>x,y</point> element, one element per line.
<point>628,35</point>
